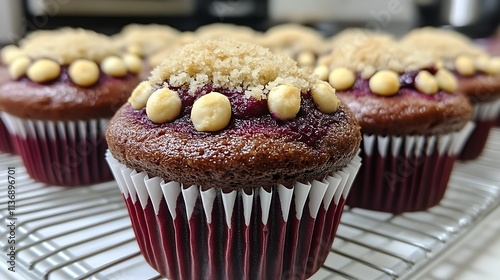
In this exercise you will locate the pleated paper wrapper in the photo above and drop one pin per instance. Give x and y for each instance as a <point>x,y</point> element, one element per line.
<point>61,153</point>
<point>185,232</point>
<point>6,144</point>
<point>405,173</point>
<point>485,116</point>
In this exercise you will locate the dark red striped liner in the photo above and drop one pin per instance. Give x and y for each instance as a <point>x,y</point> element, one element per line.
<point>405,174</point>
<point>62,153</point>
<point>186,233</point>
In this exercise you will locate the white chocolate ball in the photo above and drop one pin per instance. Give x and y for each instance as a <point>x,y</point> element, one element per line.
<point>140,95</point>
<point>493,66</point>
<point>482,62</point>
<point>19,67</point>
<point>164,105</point>
<point>84,72</point>
<point>114,67</point>
<point>211,112</point>
<point>385,82</point>
<point>10,53</point>
<point>426,83</point>
<point>465,65</point>
<point>324,96</point>
<point>306,58</point>
<point>446,80</point>
<point>43,70</point>
<point>439,64</point>
<point>341,78</point>
<point>283,102</point>
<point>135,49</point>
<point>322,72</point>
<point>133,62</point>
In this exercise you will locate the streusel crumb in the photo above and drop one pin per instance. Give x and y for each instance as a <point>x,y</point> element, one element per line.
<point>378,53</point>
<point>230,64</point>
<point>67,45</point>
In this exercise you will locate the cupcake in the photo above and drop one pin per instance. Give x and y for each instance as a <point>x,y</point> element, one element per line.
<point>492,46</point>
<point>234,164</point>
<point>478,76</point>
<point>58,101</point>
<point>302,43</point>
<point>412,120</point>
<point>7,55</point>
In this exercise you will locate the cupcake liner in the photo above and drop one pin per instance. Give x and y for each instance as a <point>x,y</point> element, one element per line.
<point>185,232</point>
<point>6,144</point>
<point>485,116</point>
<point>405,173</point>
<point>61,153</point>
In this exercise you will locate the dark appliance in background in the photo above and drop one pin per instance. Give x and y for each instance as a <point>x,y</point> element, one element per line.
<point>474,18</point>
<point>109,16</point>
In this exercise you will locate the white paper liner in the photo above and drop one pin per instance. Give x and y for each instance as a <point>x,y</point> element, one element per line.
<point>450,144</point>
<point>407,173</point>
<point>49,129</point>
<point>62,153</point>
<point>486,111</point>
<point>6,143</point>
<point>314,194</point>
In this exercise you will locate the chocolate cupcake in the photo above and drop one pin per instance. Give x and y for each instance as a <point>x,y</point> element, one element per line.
<point>478,76</point>
<point>492,46</point>
<point>412,120</point>
<point>7,55</point>
<point>58,101</point>
<point>234,164</point>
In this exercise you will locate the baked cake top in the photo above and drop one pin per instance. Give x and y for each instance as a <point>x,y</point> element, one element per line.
<point>45,56</point>
<point>215,81</point>
<point>67,45</point>
<point>232,65</point>
<point>455,51</point>
<point>378,52</point>
<point>444,43</point>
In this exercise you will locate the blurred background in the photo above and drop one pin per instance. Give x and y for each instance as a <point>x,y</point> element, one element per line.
<point>478,19</point>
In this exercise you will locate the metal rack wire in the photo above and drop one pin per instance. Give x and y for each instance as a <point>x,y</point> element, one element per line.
<point>85,233</point>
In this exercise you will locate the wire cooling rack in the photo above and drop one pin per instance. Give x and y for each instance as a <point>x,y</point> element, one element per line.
<point>85,233</point>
